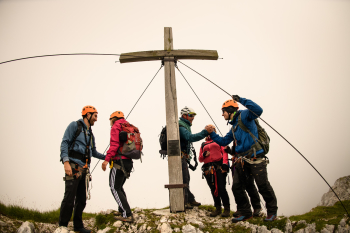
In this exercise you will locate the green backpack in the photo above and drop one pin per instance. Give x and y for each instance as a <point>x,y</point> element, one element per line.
<point>264,139</point>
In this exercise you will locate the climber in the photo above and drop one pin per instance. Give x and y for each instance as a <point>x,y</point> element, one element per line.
<point>251,159</point>
<point>186,139</point>
<point>121,167</point>
<point>215,170</point>
<point>77,147</point>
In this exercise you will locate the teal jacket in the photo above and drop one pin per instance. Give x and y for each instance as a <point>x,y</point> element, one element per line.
<point>80,143</point>
<point>186,136</point>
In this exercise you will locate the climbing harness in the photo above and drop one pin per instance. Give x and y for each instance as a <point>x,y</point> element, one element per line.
<point>272,129</point>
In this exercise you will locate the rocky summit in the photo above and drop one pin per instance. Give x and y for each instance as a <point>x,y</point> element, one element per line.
<point>342,189</point>
<point>328,217</point>
<point>196,220</point>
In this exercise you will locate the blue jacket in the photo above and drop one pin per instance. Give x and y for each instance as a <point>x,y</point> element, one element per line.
<point>186,137</point>
<point>80,143</point>
<point>244,140</point>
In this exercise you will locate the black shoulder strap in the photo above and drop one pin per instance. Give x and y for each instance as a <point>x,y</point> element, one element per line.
<point>80,127</point>
<point>204,144</point>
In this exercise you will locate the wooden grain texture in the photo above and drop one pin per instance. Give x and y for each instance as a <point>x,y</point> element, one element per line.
<point>156,55</point>
<point>176,195</point>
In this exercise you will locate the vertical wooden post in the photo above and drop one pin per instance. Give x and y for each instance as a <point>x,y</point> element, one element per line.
<point>176,195</point>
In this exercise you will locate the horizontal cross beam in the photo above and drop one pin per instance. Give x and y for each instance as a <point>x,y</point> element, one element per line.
<point>160,54</point>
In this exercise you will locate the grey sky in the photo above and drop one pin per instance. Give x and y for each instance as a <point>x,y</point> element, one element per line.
<point>290,57</point>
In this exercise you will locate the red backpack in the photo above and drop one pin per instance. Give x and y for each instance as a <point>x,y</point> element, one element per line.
<point>130,141</point>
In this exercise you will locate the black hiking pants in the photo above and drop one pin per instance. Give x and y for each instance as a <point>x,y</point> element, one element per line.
<point>243,180</point>
<point>189,197</point>
<point>116,182</point>
<point>74,198</point>
<point>221,184</point>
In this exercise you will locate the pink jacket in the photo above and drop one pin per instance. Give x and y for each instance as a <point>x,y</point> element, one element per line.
<point>114,143</point>
<point>216,153</point>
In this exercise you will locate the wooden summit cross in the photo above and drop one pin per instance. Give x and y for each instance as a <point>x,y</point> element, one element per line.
<point>169,57</point>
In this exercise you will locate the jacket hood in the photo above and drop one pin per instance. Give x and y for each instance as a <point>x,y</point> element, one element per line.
<point>120,121</point>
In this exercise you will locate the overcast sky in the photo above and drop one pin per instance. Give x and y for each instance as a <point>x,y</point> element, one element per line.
<point>290,57</point>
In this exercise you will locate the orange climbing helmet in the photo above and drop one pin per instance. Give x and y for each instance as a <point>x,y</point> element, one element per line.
<point>87,109</point>
<point>118,114</point>
<point>229,103</point>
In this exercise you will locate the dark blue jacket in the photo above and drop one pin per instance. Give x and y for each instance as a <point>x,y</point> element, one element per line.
<point>244,140</point>
<point>80,143</point>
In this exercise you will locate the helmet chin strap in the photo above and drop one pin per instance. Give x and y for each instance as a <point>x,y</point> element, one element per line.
<point>230,118</point>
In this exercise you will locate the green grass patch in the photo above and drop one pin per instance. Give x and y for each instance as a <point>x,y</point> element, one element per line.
<point>279,224</point>
<point>103,220</point>
<point>209,208</point>
<point>322,215</point>
<point>26,214</point>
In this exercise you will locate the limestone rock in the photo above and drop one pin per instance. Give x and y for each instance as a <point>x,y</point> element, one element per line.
<point>341,187</point>
<point>165,228</point>
<point>62,230</point>
<point>26,227</point>
<point>104,230</point>
<point>189,229</point>
<point>288,228</point>
<point>275,230</point>
<point>137,209</point>
<point>117,224</point>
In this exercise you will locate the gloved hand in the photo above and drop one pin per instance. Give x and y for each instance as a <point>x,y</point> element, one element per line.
<point>236,98</point>
<point>224,168</point>
<point>228,150</point>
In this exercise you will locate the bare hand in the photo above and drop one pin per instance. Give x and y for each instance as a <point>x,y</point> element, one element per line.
<point>68,169</point>
<point>207,154</point>
<point>209,128</point>
<point>104,165</point>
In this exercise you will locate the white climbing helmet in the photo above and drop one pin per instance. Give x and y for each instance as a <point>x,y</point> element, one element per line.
<point>186,110</point>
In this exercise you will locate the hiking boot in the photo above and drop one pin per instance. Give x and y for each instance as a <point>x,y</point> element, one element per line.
<point>236,214</point>
<point>241,218</point>
<point>194,203</point>
<point>127,219</point>
<point>270,217</point>
<point>216,212</point>
<point>257,213</point>
<point>226,212</point>
<point>188,206</point>
<point>82,230</point>
<point>116,213</point>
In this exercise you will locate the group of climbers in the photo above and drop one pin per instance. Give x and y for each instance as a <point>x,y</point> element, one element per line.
<point>77,147</point>
<point>248,162</point>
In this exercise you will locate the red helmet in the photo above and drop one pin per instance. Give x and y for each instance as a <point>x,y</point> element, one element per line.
<point>87,109</point>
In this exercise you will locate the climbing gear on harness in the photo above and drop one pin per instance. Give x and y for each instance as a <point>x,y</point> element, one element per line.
<point>122,168</point>
<point>186,110</point>
<point>88,109</point>
<point>261,143</point>
<point>117,114</point>
<point>132,145</point>
<point>77,173</point>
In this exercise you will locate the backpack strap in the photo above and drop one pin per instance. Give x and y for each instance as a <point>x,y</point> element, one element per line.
<point>80,127</point>
<point>204,144</point>
<point>255,147</point>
